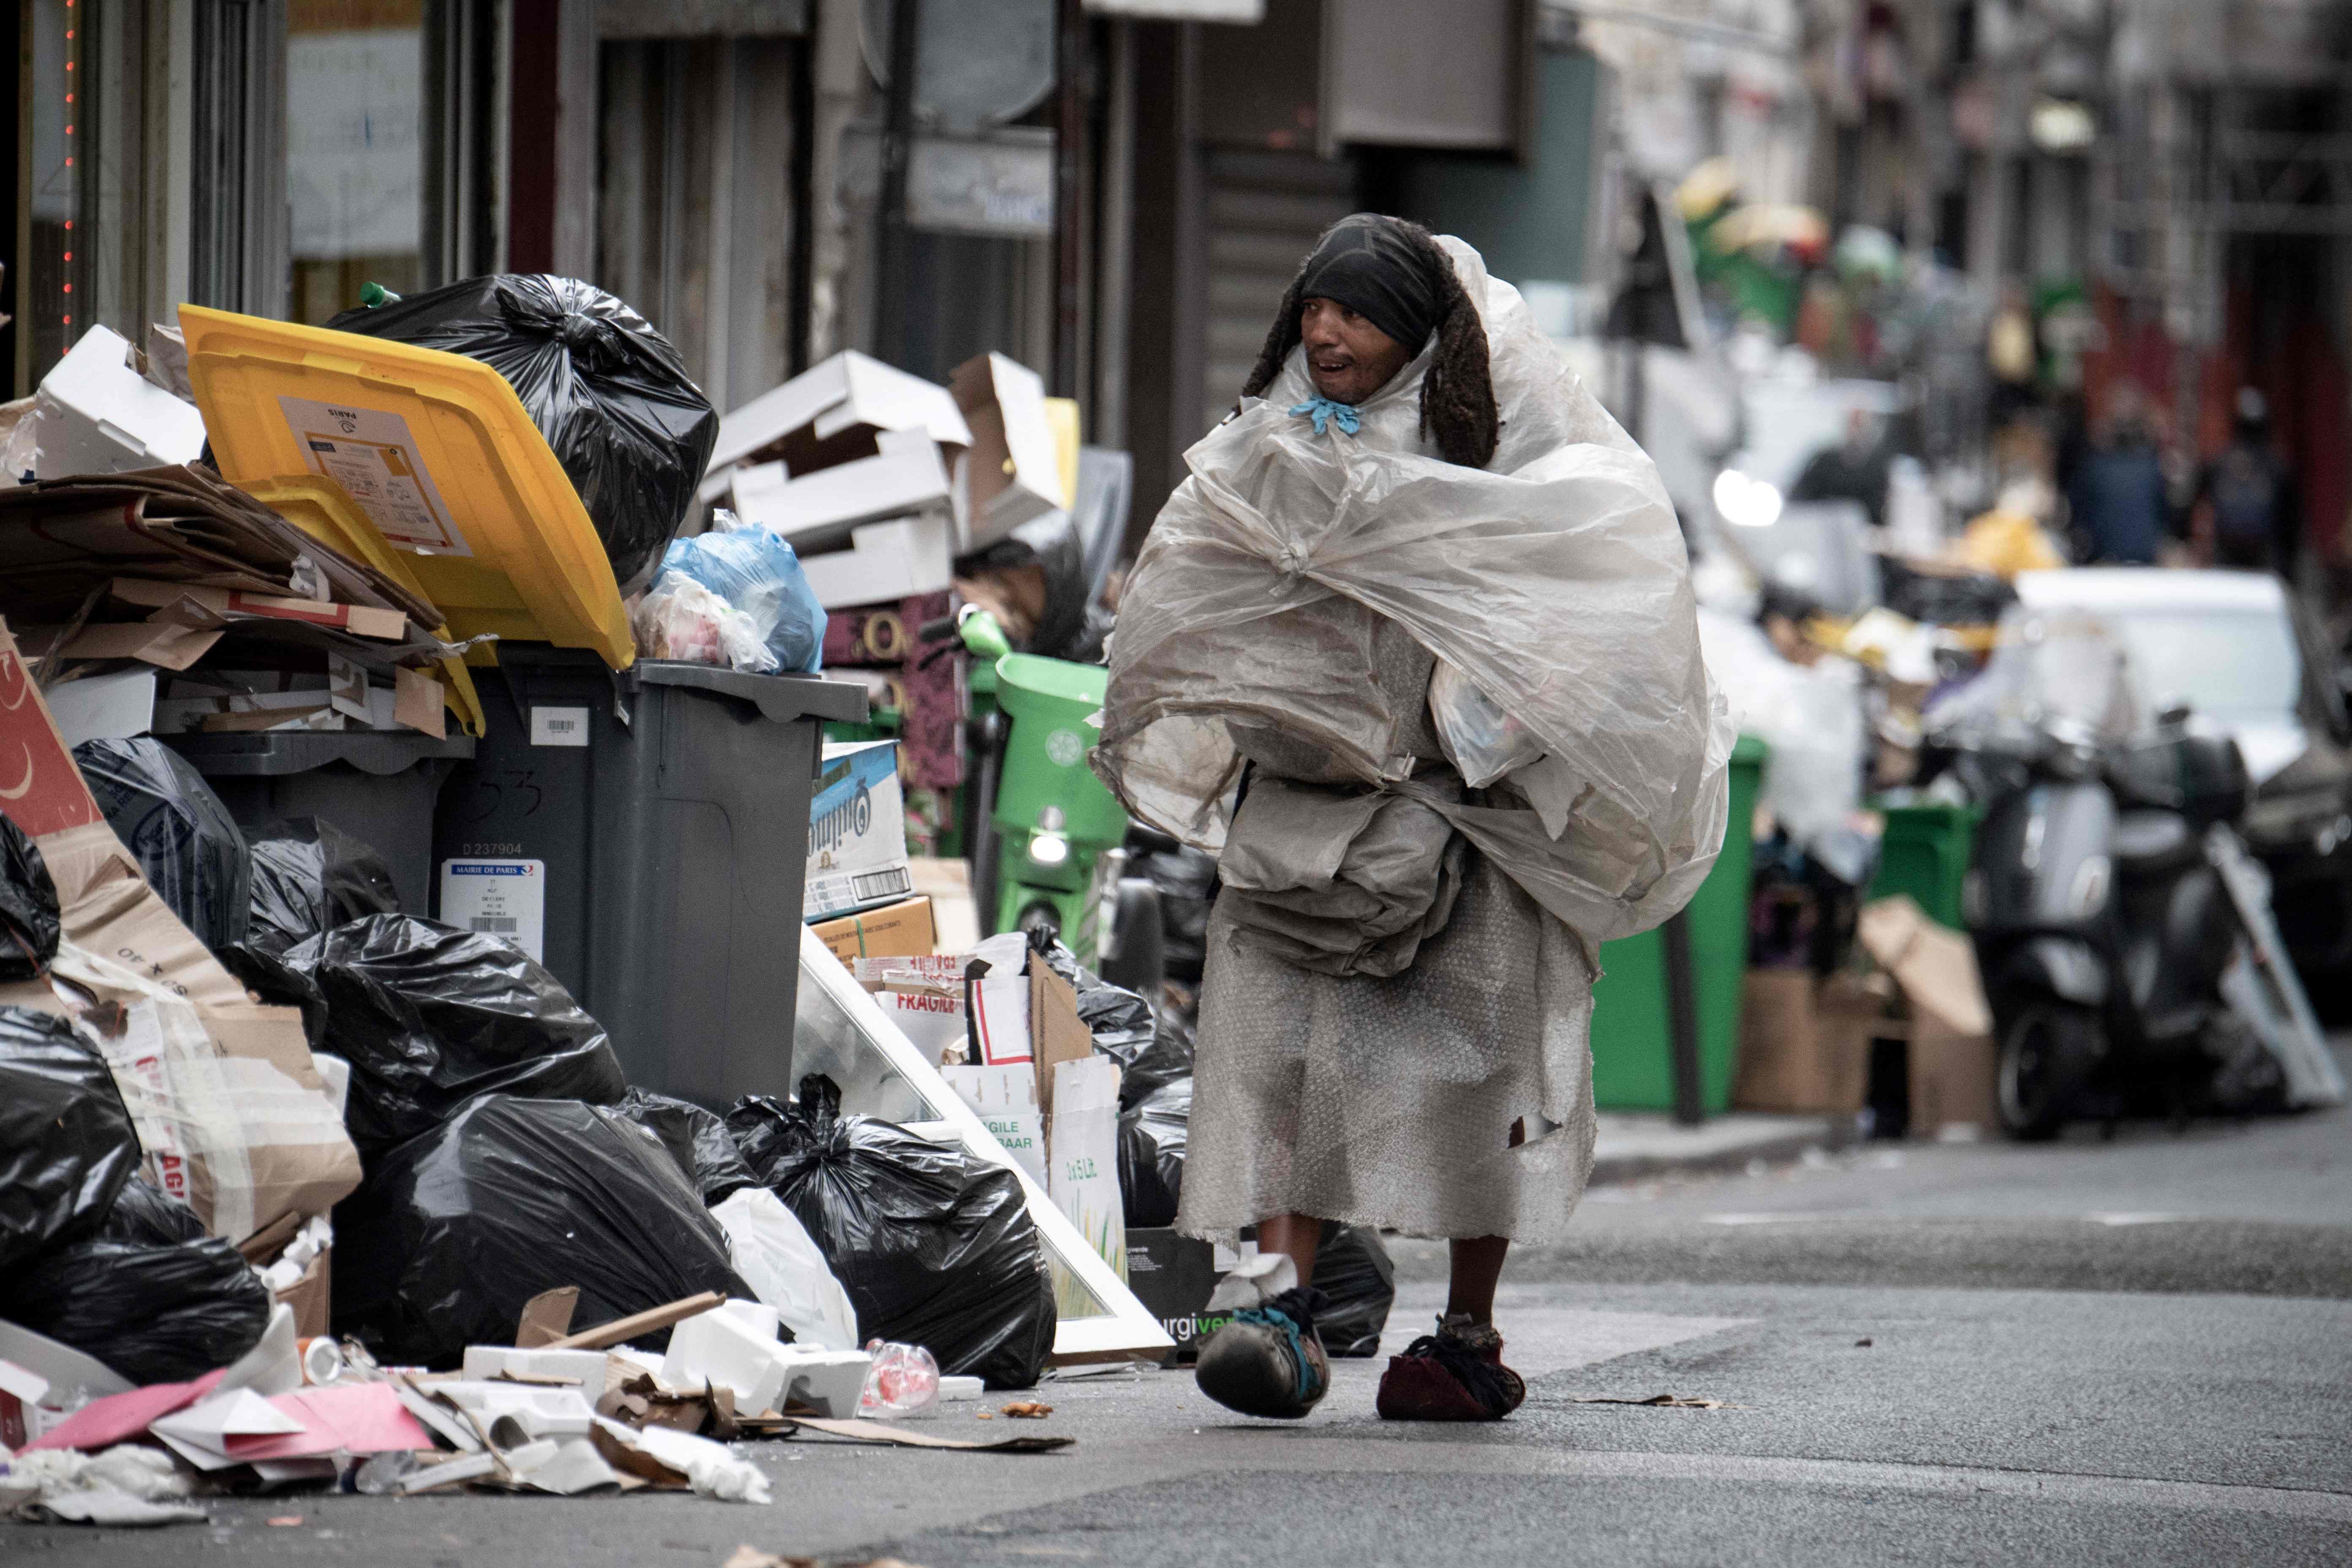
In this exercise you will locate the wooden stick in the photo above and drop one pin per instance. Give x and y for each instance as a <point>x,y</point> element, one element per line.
<point>629,1328</point>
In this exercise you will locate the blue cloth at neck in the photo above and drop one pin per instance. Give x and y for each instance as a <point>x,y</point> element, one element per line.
<point>1322,410</point>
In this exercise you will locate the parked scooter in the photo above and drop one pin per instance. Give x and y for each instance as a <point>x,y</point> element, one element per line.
<point>2102,929</point>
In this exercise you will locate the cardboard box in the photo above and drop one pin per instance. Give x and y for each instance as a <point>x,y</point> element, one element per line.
<point>893,931</point>
<point>1174,1276</point>
<point>906,475</point>
<point>1005,1099</point>
<point>311,1296</point>
<point>1803,1049</point>
<point>98,416</point>
<point>886,561</point>
<point>1952,1083</point>
<point>955,915</point>
<point>1936,967</point>
<point>857,832</point>
<point>832,413</point>
<point>1013,472</point>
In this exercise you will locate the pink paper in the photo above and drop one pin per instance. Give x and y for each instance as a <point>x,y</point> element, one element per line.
<point>118,1418</point>
<point>364,1418</point>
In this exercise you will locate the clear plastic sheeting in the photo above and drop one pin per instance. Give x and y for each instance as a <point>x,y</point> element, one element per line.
<point>1810,717</point>
<point>1553,581</point>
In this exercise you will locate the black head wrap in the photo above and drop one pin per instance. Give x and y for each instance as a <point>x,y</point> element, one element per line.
<point>1395,275</point>
<point>1371,265</point>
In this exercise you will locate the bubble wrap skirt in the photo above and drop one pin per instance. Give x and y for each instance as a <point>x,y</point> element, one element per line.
<point>1390,1102</point>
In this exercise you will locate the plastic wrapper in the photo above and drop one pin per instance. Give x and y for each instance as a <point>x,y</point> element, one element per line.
<point>155,1314</point>
<point>1554,578</point>
<point>28,907</point>
<point>903,1381</point>
<point>430,1017</point>
<point>1484,741</point>
<point>308,876</point>
<point>608,392</point>
<point>934,1247</point>
<point>683,620</point>
<point>455,1230</point>
<point>66,1144</point>
<point>757,573</point>
<point>1152,1134</point>
<point>696,1138</point>
<point>1359,1284</point>
<point>144,1212</point>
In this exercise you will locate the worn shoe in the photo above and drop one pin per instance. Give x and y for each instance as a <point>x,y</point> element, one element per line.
<point>1267,1360</point>
<point>1455,1374</point>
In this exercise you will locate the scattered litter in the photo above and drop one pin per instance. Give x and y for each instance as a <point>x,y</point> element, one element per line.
<point>1661,1400</point>
<point>883,1432</point>
<point>666,1456</point>
<point>285,1520</point>
<point>750,1556</point>
<point>1027,1410</point>
<point>904,1381</point>
<point>1862,1344</point>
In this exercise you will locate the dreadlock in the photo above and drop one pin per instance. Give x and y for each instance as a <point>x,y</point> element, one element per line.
<point>1457,396</point>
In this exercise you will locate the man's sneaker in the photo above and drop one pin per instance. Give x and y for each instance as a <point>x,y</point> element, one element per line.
<point>1268,1359</point>
<point>1455,1374</point>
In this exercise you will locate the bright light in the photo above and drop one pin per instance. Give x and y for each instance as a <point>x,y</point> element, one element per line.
<point>1747,503</point>
<point>1049,849</point>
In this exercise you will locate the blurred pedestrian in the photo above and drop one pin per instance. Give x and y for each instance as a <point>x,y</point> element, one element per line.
<point>2121,503</point>
<point>2257,509</point>
<point>1855,469</point>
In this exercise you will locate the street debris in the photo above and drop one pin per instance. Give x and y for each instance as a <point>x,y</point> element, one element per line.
<point>1659,1401</point>
<point>750,1556</point>
<point>1028,1409</point>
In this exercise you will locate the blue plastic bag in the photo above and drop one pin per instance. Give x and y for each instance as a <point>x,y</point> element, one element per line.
<point>756,572</point>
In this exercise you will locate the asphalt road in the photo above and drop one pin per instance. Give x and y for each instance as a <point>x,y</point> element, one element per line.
<point>2129,1352</point>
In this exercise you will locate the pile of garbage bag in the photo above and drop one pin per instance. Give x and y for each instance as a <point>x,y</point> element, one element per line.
<point>935,1247</point>
<point>186,844</point>
<point>309,876</point>
<point>609,393</point>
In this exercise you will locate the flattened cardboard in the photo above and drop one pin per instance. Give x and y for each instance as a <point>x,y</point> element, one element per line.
<point>417,702</point>
<point>1936,968</point>
<point>360,620</point>
<point>832,412</point>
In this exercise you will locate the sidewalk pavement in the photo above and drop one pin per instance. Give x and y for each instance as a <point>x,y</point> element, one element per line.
<point>1634,1145</point>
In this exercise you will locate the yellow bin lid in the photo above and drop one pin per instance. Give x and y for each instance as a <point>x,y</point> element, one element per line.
<point>422,463</point>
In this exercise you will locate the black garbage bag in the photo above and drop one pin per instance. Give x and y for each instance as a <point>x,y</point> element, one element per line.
<point>430,1016</point>
<point>935,1247</point>
<point>696,1138</point>
<point>1359,1284</point>
<point>1187,879</point>
<point>153,1313</point>
<point>453,1231</point>
<point>186,842</point>
<point>66,1145</point>
<point>1151,1138</point>
<point>268,975</point>
<point>607,391</point>
<point>145,1213</point>
<point>308,876</point>
<point>28,907</point>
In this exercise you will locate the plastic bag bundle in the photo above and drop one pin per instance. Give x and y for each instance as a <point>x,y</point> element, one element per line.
<point>697,1139</point>
<point>153,1313</point>
<point>1152,1134</point>
<point>184,838</point>
<point>1554,579</point>
<point>935,1247</point>
<point>28,907</point>
<point>308,876</point>
<point>455,1230</point>
<point>430,1017</point>
<point>756,572</point>
<point>1359,1284</point>
<point>609,393</point>
<point>66,1145</point>
<point>683,620</point>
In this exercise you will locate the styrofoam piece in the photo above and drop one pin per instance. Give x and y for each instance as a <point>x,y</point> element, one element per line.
<point>893,560</point>
<point>98,416</point>
<point>960,1388</point>
<point>713,1471</point>
<point>904,475</point>
<point>585,1368</point>
<point>722,1351</point>
<point>539,1411</point>
<point>757,1316</point>
<point>839,394</point>
<point>574,1467</point>
<point>827,1381</point>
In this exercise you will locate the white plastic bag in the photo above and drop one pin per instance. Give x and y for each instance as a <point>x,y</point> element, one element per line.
<point>771,1251</point>
<point>1484,741</point>
<point>679,618</point>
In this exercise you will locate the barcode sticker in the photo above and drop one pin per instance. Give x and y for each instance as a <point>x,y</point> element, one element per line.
<point>559,726</point>
<point>498,898</point>
<point>896,880</point>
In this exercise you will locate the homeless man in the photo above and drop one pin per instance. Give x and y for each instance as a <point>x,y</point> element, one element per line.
<point>1413,650</point>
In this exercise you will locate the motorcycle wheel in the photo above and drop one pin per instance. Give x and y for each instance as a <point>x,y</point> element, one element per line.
<point>2047,1055</point>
